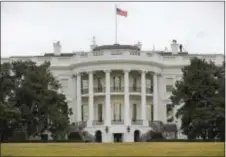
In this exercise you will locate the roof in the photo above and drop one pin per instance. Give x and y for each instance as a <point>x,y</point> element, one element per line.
<point>170,127</point>
<point>116,46</point>
<point>171,54</point>
<point>61,55</point>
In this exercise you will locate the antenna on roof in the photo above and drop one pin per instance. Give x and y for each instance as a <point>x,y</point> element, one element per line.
<point>93,45</point>
<point>94,40</point>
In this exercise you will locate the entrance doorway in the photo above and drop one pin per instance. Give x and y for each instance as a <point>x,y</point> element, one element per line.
<point>136,136</point>
<point>118,137</point>
<point>98,136</point>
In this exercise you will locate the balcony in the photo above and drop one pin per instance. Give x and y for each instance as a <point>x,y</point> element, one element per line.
<point>117,89</point>
<point>99,90</point>
<point>137,122</point>
<point>135,89</point>
<point>149,90</point>
<point>117,122</point>
<point>98,122</point>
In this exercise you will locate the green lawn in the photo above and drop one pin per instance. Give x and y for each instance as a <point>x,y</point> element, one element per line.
<point>113,149</point>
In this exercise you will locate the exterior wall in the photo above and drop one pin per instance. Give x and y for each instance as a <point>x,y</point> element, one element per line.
<point>66,68</point>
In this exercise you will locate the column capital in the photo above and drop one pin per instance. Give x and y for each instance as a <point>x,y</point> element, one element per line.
<point>157,73</point>
<point>89,71</point>
<point>73,75</point>
<point>144,71</point>
<point>126,70</point>
<point>107,70</point>
<point>78,73</point>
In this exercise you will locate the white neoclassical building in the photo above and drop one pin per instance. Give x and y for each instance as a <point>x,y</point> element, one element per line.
<point>118,90</point>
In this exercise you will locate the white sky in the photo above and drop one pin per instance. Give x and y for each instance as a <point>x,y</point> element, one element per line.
<point>30,28</point>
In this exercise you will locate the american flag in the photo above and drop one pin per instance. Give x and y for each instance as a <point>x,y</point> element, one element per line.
<point>121,12</point>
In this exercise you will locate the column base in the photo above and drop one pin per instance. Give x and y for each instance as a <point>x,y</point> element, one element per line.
<point>145,123</point>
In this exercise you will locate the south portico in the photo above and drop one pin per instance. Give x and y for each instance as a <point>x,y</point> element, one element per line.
<point>108,91</point>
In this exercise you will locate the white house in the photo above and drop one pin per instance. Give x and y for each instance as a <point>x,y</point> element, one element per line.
<point>117,90</point>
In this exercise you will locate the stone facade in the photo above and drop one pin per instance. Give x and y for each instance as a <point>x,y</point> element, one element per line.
<point>117,90</point>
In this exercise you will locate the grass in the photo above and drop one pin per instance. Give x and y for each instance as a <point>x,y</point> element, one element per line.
<point>113,149</point>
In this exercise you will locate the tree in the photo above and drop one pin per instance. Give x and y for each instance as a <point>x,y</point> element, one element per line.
<point>9,115</point>
<point>32,90</point>
<point>201,93</point>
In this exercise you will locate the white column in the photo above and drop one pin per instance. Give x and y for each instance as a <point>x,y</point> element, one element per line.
<point>73,94</point>
<point>90,99</point>
<point>79,99</point>
<point>107,99</point>
<point>143,98</point>
<point>155,97</point>
<point>126,98</point>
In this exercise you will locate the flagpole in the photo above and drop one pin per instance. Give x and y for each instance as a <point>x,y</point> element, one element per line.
<point>115,24</point>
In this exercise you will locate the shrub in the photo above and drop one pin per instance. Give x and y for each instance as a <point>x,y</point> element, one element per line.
<point>75,136</point>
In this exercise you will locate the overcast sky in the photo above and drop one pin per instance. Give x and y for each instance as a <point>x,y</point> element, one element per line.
<point>30,28</point>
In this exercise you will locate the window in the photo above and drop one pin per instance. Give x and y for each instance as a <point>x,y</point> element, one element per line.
<point>134,84</point>
<point>99,82</point>
<point>134,112</point>
<point>169,84</point>
<point>169,88</point>
<point>117,112</point>
<point>100,118</point>
<point>148,82</point>
<point>120,112</point>
<point>82,108</point>
<point>84,84</point>
<point>117,82</point>
<point>99,85</point>
<point>64,85</point>
<point>84,111</point>
<point>149,85</point>
<point>169,113</point>
<point>152,112</point>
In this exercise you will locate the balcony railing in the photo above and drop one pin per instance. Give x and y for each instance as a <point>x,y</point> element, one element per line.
<point>98,122</point>
<point>137,122</point>
<point>117,89</point>
<point>117,122</point>
<point>99,90</point>
<point>149,90</point>
<point>120,89</point>
<point>85,91</point>
<point>135,89</point>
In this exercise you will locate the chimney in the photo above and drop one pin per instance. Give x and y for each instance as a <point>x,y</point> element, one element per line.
<point>57,48</point>
<point>174,47</point>
<point>181,47</point>
<point>139,45</point>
